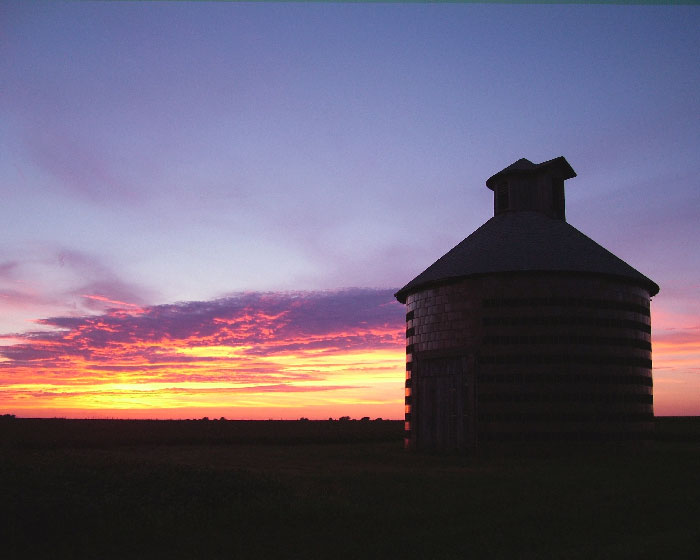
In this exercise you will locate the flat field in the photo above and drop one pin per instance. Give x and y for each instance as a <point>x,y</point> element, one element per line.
<point>221,489</point>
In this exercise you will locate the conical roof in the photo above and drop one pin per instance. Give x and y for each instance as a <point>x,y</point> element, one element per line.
<point>525,241</point>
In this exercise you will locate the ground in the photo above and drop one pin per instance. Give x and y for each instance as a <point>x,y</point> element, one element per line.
<point>336,490</point>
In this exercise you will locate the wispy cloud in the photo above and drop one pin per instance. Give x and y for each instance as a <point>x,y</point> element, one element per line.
<point>47,280</point>
<point>7,268</point>
<point>79,167</point>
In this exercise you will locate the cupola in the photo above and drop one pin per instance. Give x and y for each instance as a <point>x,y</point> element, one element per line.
<point>524,185</point>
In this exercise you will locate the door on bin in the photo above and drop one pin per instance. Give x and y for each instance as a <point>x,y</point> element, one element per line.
<point>444,403</point>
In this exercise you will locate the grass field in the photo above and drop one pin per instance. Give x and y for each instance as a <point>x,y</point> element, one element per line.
<point>110,489</point>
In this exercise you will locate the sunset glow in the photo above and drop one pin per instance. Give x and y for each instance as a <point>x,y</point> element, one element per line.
<point>252,355</point>
<point>255,355</point>
<point>676,359</point>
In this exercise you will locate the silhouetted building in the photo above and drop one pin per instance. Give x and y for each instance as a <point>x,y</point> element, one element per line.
<point>527,330</point>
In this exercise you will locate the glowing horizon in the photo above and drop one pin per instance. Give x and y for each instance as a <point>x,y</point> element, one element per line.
<point>254,355</point>
<point>283,354</point>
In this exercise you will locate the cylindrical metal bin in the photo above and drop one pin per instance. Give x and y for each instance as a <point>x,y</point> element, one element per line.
<point>527,331</point>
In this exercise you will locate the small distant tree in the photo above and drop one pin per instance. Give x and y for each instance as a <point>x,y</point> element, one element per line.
<point>364,419</point>
<point>344,418</point>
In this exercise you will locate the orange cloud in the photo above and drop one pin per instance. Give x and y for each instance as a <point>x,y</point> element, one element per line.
<point>277,352</point>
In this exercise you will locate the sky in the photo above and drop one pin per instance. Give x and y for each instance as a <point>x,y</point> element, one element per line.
<point>206,207</point>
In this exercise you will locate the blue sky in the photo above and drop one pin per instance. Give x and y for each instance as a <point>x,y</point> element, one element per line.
<point>156,152</point>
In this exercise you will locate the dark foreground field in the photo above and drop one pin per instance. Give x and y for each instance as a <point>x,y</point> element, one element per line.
<point>101,489</point>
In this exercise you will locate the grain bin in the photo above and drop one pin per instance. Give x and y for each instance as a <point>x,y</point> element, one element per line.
<point>527,330</point>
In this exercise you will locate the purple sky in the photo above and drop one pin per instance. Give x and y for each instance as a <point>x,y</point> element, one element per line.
<point>155,152</point>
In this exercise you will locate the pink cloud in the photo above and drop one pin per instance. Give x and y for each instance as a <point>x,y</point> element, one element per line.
<point>164,342</point>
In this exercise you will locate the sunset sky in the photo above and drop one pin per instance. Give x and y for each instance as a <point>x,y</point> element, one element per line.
<point>206,207</point>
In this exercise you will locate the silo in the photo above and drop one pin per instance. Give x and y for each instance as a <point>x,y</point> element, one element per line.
<point>527,330</point>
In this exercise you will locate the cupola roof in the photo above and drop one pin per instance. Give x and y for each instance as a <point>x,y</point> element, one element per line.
<point>557,166</point>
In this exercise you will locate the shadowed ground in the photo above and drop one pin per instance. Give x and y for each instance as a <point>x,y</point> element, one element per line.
<point>76,495</point>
